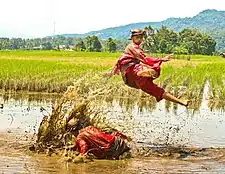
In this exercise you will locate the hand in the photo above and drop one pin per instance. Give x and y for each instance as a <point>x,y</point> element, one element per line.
<point>167,58</point>
<point>107,74</point>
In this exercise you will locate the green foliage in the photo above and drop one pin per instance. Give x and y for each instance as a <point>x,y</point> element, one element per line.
<point>121,43</point>
<point>4,43</point>
<point>47,46</point>
<point>96,44</point>
<point>180,50</point>
<point>110,45</point>
<point>188,41</point>
<point>166,40</point>
<point>196,42</point>
<point>53,71</point>
<point>93,44</point>
<point>47,43</point>
<point>149,43</point>
<point>79,46</point>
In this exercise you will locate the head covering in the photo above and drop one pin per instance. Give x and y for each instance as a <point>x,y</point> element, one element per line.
<point>136,32</point>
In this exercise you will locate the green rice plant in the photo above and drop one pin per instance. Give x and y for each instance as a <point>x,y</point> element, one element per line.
<point>53,71</point>
<point>38,75</point>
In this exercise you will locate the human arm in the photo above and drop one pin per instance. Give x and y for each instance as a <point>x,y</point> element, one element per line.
<point>156,62</point>
<point>138,53</point>
<point>82,146</point>
<point>114,71</point>
<point>167,58</point>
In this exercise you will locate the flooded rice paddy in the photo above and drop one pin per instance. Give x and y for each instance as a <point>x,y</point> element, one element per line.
<point>165,139</point>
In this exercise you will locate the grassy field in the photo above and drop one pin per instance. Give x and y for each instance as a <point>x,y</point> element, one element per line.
<point>48,71</point>
<point>53,71</point>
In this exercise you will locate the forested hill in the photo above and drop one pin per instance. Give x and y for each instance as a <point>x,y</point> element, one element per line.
<point>211,22</point>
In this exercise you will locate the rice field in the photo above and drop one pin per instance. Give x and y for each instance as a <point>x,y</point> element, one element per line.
<point>45,72</point>
<point>53,71</point>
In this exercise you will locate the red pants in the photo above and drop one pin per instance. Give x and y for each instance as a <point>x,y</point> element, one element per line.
<point>144,83</point>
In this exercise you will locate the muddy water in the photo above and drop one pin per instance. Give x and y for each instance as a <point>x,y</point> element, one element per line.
<point>152,128</point>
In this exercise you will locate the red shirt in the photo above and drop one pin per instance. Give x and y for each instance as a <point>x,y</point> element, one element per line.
<point>133,54</point>
<point>97,142</point>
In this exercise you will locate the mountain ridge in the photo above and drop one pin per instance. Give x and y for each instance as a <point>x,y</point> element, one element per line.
<point>209,21</point>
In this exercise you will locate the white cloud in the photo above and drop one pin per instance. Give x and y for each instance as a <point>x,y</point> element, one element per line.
<point>35,18</point>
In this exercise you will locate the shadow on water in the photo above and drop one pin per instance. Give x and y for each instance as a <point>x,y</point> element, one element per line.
<point>167,138</point>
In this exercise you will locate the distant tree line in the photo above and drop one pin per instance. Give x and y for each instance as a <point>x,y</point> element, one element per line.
<point>163,40</point>
<point>187,41</point>
<point>89,43</point>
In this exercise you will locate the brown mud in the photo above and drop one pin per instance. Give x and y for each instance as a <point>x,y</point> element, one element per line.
<point>165,140</point>
<point>15,158</point>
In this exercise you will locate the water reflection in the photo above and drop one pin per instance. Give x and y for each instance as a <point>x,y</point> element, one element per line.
<point>163,125</point>
<point>28,97</point>
<point>150,124</point>
<point>24,111</point>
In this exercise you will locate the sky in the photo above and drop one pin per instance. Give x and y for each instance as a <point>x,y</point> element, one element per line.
<point>40,18</point>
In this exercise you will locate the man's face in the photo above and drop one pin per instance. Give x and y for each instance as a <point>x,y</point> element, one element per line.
<point>137,39</point>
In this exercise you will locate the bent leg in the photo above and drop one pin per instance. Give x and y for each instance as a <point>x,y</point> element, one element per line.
<point>147,73</point>
<point>141,78</point>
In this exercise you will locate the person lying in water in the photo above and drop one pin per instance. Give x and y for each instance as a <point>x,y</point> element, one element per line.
<point>101,145</point>
<point>139,71</point>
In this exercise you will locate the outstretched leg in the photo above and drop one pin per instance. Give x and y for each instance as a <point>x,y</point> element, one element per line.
<point>144,77</point>
<point>170,97</point>
<point>147,85</point>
